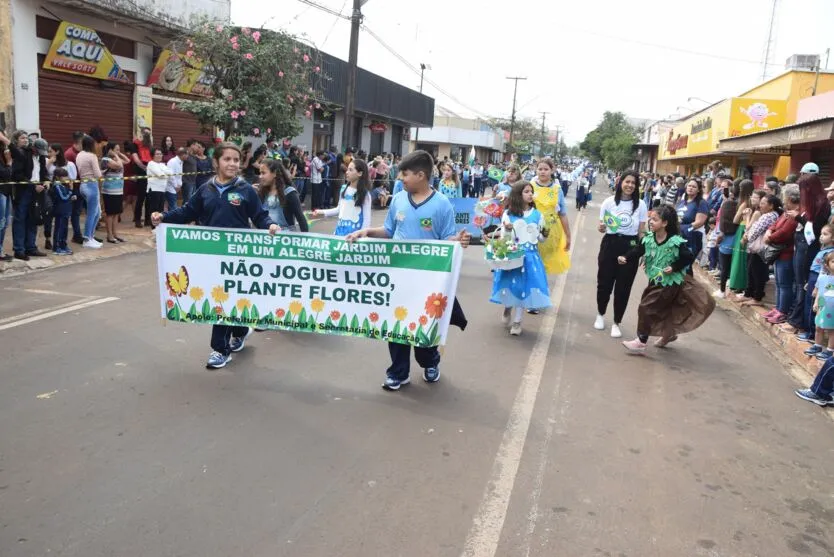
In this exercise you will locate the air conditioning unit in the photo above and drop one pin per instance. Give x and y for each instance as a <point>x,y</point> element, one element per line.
<point>802,62</point>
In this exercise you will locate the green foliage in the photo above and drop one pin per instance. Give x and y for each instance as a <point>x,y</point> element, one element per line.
<point>258,78</point>
<point>611,141</point>
<point>526,132</point>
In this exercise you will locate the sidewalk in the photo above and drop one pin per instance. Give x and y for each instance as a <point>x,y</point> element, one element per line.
<point>137,240</point>
<point>786,343</point>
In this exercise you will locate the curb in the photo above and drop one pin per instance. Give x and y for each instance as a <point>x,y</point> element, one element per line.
<point>785,343</point>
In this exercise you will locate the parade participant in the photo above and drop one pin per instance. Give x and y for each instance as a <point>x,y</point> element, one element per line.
<point>279,196</point>
<point>417,213</point>
<point>583,186</point>
<point>550,203</point>
<point>622,220</point>
<point>672,303</point>
<point>524,287</point>
<point>225,201</point>
<point>449,182</point>
<point>354,207</point>
<point>823,296</point>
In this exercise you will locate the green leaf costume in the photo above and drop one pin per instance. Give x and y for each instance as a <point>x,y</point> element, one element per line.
<point>660,256</point>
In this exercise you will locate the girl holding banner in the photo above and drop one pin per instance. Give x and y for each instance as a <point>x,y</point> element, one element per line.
<point>354,207</point>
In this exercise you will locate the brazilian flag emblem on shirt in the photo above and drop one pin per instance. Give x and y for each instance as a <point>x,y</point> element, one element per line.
<point>425,224</point>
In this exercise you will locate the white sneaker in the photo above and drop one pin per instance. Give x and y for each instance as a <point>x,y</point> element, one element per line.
<point>615,331</point>
<point>718,294</point>
<point>92,244</point>
<point>599,323</point>
<point>515,329</point>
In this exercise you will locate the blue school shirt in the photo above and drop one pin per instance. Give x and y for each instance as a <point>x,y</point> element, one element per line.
<point>816,264</point>
<point>398,187</point>
<point>433,219</point>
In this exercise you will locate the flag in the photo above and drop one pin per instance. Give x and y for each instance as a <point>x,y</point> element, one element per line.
<point>472,156</point>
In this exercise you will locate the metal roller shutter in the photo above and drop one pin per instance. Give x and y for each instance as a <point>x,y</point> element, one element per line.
<point>824,157</point>
<point>69,103</point>
<point>176,123</point>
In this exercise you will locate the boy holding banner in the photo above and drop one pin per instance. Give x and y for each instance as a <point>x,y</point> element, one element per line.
<point>417,213</point>
<point>226,201</point>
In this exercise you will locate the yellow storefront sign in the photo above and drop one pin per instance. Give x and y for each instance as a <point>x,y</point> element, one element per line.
<point>173,73</point>
<point>79,50</point>
<point>755,115</point>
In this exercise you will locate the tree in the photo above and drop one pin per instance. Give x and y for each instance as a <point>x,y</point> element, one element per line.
<point>611,141</point>
<point>526,133</point>
<point>258,78</point>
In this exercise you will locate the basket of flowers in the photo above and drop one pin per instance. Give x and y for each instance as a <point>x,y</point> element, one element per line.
<point>503,254</point>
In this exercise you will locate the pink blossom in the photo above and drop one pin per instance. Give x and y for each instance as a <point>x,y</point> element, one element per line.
<point>306,58</point>
<point>234,114</point>
<point>229,97</point>
<point>173,106</point>
<point>256,131</point>
<point>248,56</point>
<point>256,36</point>
<point>269,130</point>
<point>289,98</point>
<point>307,113</point>
<point>317,69</point>
<point>233,39</point>
<point>243,113</point>
<point>318,105</point>
<point>235,46</point>
<point>246,31</point>
<point>280,74</point>
<point>295,50</point>
<point>189,53</point>
<point>219,28</point>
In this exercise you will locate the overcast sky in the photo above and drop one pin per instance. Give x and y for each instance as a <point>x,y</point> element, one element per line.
<point>581,57</point>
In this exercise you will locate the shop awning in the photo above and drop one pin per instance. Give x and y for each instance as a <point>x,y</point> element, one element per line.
<point>780,139</point>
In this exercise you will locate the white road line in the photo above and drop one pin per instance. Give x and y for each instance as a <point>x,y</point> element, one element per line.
<point>50,292</point>
<point>47,315</point>
<point>483,537</point>
<point>45,310</point>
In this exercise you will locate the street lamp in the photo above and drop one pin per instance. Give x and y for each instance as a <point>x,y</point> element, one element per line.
<point>690,99</point>
<point>685,108</point>
<point>423,68</point>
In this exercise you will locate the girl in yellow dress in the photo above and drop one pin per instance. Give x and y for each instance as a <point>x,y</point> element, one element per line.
<point>550,202</point>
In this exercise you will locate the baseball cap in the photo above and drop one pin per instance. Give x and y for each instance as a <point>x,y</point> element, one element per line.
<point>41,146</point>
<point>810,168</point>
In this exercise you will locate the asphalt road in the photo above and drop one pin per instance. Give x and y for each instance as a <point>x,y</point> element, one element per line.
<point>116,441</point>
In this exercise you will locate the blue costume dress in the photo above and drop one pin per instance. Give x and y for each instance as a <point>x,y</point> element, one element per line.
<point>450,189</point>
<point>351,216</point>
<point>525,286</point>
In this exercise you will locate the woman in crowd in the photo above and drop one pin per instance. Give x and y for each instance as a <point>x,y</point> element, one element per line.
<point>112,187</point>
<point>5,193</point>
<point>770,207</point>
<point>158,173</point>
<point>204,165</point>
<point>738,271</point>
<point>781,235</point>
<point>692,214</point>
<point>622,220</point>
<point>89,172</point>
<point>169,150</point>
<point>727,231</point>
<point>130,184</point>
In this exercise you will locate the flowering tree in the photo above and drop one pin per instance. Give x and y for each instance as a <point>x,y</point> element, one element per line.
<point>258,78</point>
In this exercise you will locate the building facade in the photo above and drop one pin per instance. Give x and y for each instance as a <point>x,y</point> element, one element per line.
<point>454,137</point>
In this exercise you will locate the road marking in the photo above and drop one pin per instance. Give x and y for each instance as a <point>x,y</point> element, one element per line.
<point>50,292</point>
<point>26,320</point>
<point>44,310</point>
<point>483,537</point>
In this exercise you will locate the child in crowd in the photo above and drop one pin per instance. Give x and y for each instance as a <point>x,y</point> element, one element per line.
<point>449,182</point>
<point>354,207</point>
<point>823,296</point>
<point>673,302</point>
<point>826,246</point>
<point>380,196</point>
<point>524,287</point>
<point>418,213</point>
<point>225,201</point>
<point>279,196</point>
<point>822,388</point>
<point>62,200</point>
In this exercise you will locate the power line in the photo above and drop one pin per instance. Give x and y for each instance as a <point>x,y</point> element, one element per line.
<point>324,8</point>
<point>335,21</point>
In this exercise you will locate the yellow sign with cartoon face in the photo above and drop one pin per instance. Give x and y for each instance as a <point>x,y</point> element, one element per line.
<point>756,115</point>
<point>174,73</point>
<point>79,50</point>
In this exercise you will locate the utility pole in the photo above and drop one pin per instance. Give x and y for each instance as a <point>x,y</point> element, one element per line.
<point>544,137</point>
<point>512,119</point>
<point>353,61</point>
<point>423,68</point>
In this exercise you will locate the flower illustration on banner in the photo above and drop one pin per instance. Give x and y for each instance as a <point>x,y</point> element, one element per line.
<point>400,313</point>
<point>436,305</point>
<point>412,326</point>
<point>280,313</point>
<point>218,310</point>
<point>335,315</point>
<point>197,293</point>
<point>219,295</point>
<point>296,307</point>
<point>317,304</point>
<point>423,320</point>
<point>169,304</point>
<point>373,317</point>
<point>243,303</point>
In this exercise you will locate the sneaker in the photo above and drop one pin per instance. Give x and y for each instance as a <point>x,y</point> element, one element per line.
<point>778,318</point>
<point>615,331</point>
<point>431,374</point>
<point>663,342</point>
<point>719,294</point>
<point>66,251</point>
<point>599,323</point>
<point>533,311</point>
<point>505,316</point>
<point>217,360</point>
<point>805,337</point>
<point>77,240</point>
<point>20,255</point>
<point>813,351</point>
<point>635,346</point>
<point>35,253</point>
<point>811,396</point>
<point>515,329</point>
<point>47,245</point>
<point>92,244</point>
<point>6,257</point>
<point>236,344</point>
<point>824,355</point>
<point>394,384</point>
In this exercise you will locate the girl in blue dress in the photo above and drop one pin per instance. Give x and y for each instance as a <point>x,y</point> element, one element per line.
<point>524,287</point>
<point>449,182</point>
<point>354,209</point>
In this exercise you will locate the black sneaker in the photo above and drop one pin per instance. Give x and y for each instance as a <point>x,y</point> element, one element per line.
<point>814,350</point>
<point>20,255</point>
<point>431,374</point>
<point>77,240</point>
<point>35,253</point>
<point>811,396</point>
<point>47,245</point>
<point>6,257</point>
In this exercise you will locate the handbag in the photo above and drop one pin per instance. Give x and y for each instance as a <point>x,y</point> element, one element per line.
<point>770,253</point>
